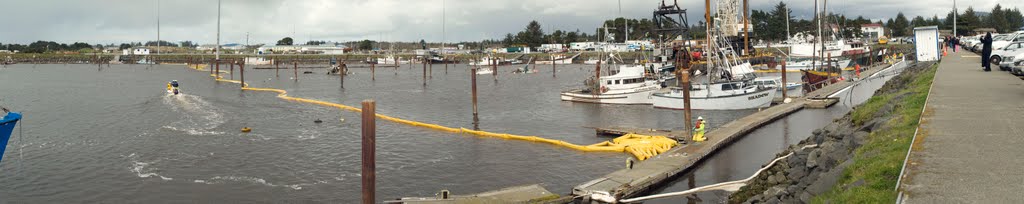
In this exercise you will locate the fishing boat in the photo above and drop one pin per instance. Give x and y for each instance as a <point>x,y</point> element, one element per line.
<point>488,61</point>
<point>631,85</point>
<point>484,71</point>
<point>7,123</point>
<point>559,59</point>
<point>817,79</point>
<point>728,83</point>
<point>792,88</point>
<point>525,70</point>
<point>805,64</point>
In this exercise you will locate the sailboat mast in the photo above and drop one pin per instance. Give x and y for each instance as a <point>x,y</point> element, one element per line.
<point>157,29</point>
<point>814,44</point>
<point>443,21</point>
<point>707,44</point>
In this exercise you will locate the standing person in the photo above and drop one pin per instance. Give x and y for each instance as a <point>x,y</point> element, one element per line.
<point>986,51</point>
<point>698,130</point>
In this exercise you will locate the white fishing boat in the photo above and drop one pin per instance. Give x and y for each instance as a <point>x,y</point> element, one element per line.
<point>805,64</point>
<point>631,85</point>
<point>792,88</point>
<point>559,59</point>
<point>484,71</point>
<point>729,89</point>
<point>488,61</point>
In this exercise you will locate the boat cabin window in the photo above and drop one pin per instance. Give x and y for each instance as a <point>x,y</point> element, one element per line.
<point>618,81</point>
<point>632,81</point>
<point>727,87</point>
<point>609,82</point>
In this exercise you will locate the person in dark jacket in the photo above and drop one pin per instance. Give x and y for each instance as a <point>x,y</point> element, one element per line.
<point>986,52</point>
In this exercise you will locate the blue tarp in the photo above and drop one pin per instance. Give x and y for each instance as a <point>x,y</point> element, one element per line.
<point>7,124</point>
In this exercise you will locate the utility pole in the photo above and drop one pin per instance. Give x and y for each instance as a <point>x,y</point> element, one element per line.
<point>217,47</point>
<point>746,29</point>
<point>954,17</point>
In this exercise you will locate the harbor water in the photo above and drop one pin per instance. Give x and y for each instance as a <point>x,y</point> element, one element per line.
<point>112,134</point>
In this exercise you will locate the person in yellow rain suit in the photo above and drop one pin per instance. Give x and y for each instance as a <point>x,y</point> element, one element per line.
<point>698,130</point>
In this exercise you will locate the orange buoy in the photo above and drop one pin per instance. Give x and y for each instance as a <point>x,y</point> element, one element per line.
<point>246,129</point>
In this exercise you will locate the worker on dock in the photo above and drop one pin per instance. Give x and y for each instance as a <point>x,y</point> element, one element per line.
<point>698,130</point>
<point>986,52</point>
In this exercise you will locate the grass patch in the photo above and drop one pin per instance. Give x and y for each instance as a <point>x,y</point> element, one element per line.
<point>879,161</point>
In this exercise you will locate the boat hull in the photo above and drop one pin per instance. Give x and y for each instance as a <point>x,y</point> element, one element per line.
<point>7,124</point>
<point>640,97</point>
<point>755,99</point>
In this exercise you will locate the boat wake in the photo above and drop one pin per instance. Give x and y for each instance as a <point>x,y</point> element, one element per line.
<point>198,117</point>
<point>140,168</point>
<point>253,180</point>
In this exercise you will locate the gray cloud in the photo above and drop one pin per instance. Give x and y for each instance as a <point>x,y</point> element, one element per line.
<point>115,21</point>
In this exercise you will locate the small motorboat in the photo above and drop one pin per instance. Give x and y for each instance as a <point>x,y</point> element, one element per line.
<point>172,87</point>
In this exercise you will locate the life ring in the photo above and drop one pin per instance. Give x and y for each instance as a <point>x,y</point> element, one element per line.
<point>604,89</point>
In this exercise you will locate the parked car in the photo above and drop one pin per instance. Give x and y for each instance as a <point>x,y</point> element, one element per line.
<point>1006,39</point>
<point>1018,65</point>
<point>1003,57</point>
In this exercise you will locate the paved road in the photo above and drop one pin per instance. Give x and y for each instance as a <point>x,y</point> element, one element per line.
<point>972,137</point>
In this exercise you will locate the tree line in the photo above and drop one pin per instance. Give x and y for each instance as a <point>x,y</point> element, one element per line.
<point>51,46</point>
<point>771,24</point>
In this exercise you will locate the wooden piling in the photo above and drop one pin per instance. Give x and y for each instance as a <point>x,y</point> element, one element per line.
<point>494,68</point>
<point>476,118</point>
<point>431,73</point>
<point>277,68</point>
<point>217,73</point>
<point>783,85</point>
<point>369,152</point>
<point>241,73</point>
<point>552,66</point>
<point>373,71</point>
<point>231,73</point>
<point>296,69</point>
<point>425,62</point>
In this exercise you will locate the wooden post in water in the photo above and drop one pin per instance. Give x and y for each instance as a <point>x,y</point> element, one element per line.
<point>494,68</point>
<point>373,71</point>
<point>476,118</point>
<point>295,69</point>
<point>553,66</point>
<point>277,68</point>
<point>241,73</point>
<point>231,74</point>
<point>425,62</point>
<point>783,85</point>
<point>369,152</point>
<point>216,74</point>
<point>431,73</point>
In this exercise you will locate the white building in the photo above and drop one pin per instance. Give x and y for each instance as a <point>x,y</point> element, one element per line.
<point>641,44</point>
<point>926,43</point>
<point>315,49</point>
<point>551,47</point>
<point>872,31</point>
<point>135,51</point>
<point>581,46</point>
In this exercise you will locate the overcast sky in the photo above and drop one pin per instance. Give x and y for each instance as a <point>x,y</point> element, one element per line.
<point>116,21</point>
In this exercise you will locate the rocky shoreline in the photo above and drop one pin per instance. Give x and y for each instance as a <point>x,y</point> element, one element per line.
<point>818,162</point>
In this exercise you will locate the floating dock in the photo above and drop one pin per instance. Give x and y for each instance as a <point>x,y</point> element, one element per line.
<point>519,194</point>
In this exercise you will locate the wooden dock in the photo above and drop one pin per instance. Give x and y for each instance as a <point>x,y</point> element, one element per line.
<point>519,194</point>
<point>650,173</point>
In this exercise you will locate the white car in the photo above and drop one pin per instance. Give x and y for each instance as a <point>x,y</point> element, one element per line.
<point>1004,57</point>
<point>1018,65</point>
<point>1006,39</point>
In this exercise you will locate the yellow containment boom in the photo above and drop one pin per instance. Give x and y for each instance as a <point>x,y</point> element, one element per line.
<point>641,146</point>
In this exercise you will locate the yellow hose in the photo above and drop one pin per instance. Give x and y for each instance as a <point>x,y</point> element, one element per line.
<point>640,146</point>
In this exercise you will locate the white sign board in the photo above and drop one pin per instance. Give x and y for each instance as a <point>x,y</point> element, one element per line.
<point>926,42</point>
